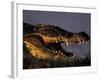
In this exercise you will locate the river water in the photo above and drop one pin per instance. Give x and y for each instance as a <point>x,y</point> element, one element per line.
<point>83,49</point>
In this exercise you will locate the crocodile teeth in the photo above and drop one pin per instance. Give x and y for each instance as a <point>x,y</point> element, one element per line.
<point>83,57</point>
<point>64,55</point>
<point>60,39</point>
<point>50,50</point>
<point>66,40</point>
<point>56,51</point>
<point>70,42</point>
<point>61,53</point>
<point>56,41</point>
<point>66,43</point>
<point>53,51</point>
<point>63,39</point>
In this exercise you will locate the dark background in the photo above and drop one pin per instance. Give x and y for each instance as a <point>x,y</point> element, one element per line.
<point>73,22</point>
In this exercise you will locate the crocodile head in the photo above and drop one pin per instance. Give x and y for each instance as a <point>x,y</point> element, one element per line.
<point>45,41</point>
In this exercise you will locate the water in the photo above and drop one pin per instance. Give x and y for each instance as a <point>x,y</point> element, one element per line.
<point>78,50</point>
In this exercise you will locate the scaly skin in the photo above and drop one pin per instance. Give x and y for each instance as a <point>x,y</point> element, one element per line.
<point>44,41</point>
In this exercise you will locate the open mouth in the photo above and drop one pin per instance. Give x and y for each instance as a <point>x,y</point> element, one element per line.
<point>70,51</point>
<point>72,47</point>
<point>55,47</point>
<point>78,49</point>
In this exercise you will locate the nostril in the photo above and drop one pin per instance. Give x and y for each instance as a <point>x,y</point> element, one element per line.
<point>81,40</point>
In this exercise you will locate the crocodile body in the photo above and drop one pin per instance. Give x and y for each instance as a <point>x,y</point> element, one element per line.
<point>43,42</point>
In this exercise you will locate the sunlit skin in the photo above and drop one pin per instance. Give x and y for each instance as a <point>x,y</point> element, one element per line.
<point>37,42</point>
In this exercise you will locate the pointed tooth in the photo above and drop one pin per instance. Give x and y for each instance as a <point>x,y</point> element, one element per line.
<point>53,51</point>
<point>60,39</point>
<point>66,43</point>
<point>56,41</point>
<point>70,42</point>
<point>50,50</point>
<point>80,42</point>
<point>56,51</point>
<point>63,39</point>
<point>81,56</point>
<point>61,53</point>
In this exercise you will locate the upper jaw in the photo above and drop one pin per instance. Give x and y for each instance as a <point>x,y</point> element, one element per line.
<point>76,38</point>
<point>71,38</point>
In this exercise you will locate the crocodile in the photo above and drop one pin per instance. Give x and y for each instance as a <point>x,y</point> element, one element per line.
<point>44,41</point>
